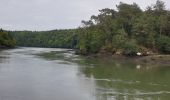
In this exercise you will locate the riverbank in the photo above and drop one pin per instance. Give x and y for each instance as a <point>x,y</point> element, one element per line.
<point>5,47</point>
<point>2,47</point>
<point>154,59</point>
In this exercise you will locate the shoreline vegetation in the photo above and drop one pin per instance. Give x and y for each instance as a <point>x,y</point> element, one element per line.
<point>126,31</point>
<point>6,40</point>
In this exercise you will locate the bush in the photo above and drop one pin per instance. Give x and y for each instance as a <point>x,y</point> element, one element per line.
<point>119,41</point>
<point>6,40</point>
<point>107,48</point>
<point>163,44</point>
<point>130,48</point>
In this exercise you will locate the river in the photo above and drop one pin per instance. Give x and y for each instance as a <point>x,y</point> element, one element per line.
<point>59,74</point>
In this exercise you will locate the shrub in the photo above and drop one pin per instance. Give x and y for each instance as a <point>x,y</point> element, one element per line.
<point>119,41</point>
<point>163,44</point>
<point>130,48</point>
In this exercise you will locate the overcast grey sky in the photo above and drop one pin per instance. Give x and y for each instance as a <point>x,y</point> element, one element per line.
<point>54,14</point>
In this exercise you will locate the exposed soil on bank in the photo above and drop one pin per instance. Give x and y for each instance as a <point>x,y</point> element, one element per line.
<point>155,59</point>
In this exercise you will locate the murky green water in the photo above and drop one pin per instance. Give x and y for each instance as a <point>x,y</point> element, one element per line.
<point>58,74</point>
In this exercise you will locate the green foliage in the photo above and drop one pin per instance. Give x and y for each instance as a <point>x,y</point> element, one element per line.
<point>127,29</point>
<point>119,41</point>
<point>55,38</point>
<point>163,44</point>
<point>6,40</point>
<point>130,48</point>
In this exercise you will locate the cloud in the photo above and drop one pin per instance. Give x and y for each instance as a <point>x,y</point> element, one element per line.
<point>54,14</point>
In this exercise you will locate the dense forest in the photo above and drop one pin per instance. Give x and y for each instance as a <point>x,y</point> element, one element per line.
<point>6,40</point>
<point>51,39</point>
<point>125,30</point>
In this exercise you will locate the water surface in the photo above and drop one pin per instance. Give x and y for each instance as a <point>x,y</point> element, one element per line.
<point>58,74</point>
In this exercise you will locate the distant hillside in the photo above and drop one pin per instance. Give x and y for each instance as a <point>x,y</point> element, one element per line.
<point>53,38</point>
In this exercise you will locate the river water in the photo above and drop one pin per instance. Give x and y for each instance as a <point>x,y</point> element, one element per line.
<point>58,74</point>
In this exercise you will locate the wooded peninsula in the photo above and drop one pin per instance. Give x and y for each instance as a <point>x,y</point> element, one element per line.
<point>127,30</point>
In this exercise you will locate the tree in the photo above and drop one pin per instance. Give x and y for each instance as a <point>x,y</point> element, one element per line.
<point>6,40</point>
<point>159,6</point>
<point>126,15</point>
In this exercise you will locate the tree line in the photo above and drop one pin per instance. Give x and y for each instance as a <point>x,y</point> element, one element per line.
<point>51,39</point>
<point>6,40</point>
<point>125,30</point>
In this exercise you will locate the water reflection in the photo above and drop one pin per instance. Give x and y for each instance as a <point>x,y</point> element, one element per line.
<point>3,57</point>
<point>116,80</point>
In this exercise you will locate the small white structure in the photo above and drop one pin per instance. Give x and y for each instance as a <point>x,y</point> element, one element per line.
<point>138,66</point>
<point>139,54</point>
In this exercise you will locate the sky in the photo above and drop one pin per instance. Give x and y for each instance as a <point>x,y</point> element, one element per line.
<point>40,15</point>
